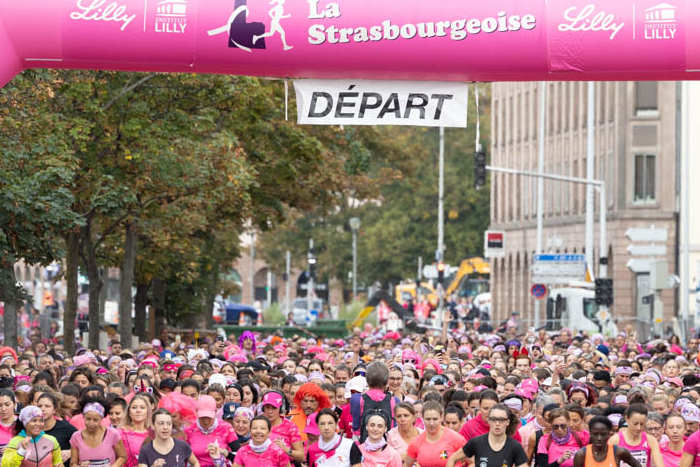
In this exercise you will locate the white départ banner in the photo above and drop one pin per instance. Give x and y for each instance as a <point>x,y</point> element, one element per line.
<point>365,102</point>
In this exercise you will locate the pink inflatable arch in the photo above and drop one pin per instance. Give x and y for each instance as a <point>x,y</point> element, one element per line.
<point>460,40</point>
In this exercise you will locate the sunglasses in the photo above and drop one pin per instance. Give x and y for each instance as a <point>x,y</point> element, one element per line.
<point>138,388</point>
<point>410,360</point>
<point>563,426</point>
<point>360,373</point>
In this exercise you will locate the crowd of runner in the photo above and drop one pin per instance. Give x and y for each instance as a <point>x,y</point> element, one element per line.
<point>375,399</point>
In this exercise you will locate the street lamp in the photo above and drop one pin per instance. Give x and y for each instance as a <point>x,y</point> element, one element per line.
<point>354,226</point>
<point>311,259</point>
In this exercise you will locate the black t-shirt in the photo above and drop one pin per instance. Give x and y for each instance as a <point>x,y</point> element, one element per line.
<point>62,431</point>
<point>512,453</point>
<point>177,457</point>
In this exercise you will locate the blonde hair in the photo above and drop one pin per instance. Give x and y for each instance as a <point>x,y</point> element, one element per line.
<point>147,423</point>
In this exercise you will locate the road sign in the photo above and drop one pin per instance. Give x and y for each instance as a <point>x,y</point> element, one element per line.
<point>430,271</point>
<point>647,250</point>
<point>539,291</point>
<point>494,244</point>
<point>558,269</point>
<point>639,265</point>
<point>651,234</point>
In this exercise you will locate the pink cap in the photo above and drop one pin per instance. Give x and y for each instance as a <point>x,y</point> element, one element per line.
<point>312,426</point>
<point>206,407</point>
<point>272,398</point>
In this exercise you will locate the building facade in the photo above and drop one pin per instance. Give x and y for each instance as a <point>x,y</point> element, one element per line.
<point>636,155</point>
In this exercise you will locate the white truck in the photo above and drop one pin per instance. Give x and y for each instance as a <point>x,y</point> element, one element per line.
<point>574,307</point>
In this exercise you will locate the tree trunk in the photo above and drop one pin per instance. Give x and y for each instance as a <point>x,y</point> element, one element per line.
<point>209,297</point>
<point>126,280</point>
<point>12,303</point>
<point>159,305</point>
<point>93,273</point>
<point>69,312</point>
<point>140,302</point>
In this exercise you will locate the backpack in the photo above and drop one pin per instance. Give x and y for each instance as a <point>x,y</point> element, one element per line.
<point>371,407</point>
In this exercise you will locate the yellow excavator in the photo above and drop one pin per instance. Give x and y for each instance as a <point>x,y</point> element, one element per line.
<point>471,279</point>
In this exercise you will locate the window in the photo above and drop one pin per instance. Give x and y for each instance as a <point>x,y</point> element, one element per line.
<point>646,99</point>
<point>644,177</point>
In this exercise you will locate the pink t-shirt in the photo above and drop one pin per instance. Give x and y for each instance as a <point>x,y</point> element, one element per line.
<point>692,447</point>
<point>6,435</point>
<point>132,443</point>
<point>393,437</point>
<point>101,456</point>
<point>287,432</point>
<point>387,457</point>
<point>429,454</point>
<point>556,450</point>
<point>671,458</point>
<point>273,456</point>
<point>198,441</point>
<point>345,422</point>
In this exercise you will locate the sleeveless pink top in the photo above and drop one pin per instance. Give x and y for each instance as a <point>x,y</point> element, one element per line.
<point>641,451</point>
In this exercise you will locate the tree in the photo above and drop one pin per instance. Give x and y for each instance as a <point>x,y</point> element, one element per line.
<point>398,207</point>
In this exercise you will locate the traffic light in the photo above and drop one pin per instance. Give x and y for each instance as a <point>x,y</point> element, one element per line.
<point>441,272</point>
<point>479,169</point>
<point>604,292</point>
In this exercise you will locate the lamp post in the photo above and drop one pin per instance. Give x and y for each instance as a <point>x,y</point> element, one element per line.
<point>354,226</point>
<point>311,259</point>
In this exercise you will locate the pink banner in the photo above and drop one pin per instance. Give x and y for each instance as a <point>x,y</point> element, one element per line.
<point>415,40</point>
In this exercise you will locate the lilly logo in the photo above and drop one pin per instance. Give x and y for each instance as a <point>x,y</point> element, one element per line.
<point>587,19</point>
<point>248,36</point>
<point>97,11</point>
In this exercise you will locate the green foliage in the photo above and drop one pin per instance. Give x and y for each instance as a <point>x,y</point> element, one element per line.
<point>392,187</point>
<point>274,315</point>
<point>350,311</point>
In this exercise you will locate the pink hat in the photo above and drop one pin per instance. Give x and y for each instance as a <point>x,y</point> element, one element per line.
<point>312,426</point>
<point>690,413</point>
<point>272,398</point>
<point>206,407</point>
<point>675,381</point>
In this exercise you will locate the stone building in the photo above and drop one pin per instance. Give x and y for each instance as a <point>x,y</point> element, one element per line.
<point>636,145</point>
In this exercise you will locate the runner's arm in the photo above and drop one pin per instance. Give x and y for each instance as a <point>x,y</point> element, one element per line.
<point>687,460</point>
<point>193,461</point>
<point>74,457</point>
<point>580,458</point>
<point>625,456</point>
<point>656,457</point>
<point>297,451</point>
<point>120,452</point>
<point>457,456</point>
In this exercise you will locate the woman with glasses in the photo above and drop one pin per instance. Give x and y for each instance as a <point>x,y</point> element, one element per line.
<point>437,443</point>
<point>655,427</point>
<point>497,448</point>
<point>332,449</point>
<point>396,381</point>
<point>559,446</point>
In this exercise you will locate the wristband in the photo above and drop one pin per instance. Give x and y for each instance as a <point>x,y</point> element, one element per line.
<point>21,451</point>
